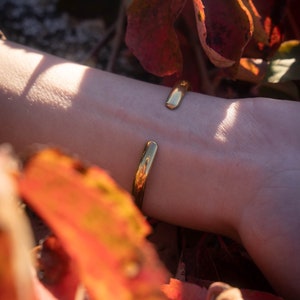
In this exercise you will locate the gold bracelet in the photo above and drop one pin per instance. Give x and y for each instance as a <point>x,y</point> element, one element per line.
<point>177,93</point>
<point>139,184</point>
<point>142,172</point>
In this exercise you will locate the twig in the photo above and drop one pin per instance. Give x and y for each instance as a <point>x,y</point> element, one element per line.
<point>104,39</point>
<point>118,38</point>
<point>206,85</point>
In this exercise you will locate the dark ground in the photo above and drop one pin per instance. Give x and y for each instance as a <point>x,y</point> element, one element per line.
<point>89,37</point>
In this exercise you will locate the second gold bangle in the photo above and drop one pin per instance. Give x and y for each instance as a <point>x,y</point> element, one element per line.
<point>142,172</point>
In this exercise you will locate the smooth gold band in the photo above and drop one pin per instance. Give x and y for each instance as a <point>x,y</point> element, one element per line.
<point>142,172</point>
<point>177,93</point>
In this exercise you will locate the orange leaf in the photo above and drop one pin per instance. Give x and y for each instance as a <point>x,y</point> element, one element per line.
<point>251,70</point>
<point>98,225</point>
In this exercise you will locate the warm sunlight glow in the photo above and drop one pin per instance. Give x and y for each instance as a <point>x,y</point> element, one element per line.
<point>250,65</point>
<point>224,127</point>
<point>64,81</point>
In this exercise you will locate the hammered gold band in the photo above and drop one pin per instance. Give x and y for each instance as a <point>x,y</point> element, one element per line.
<point>177,94</point>
<point>142,172</point>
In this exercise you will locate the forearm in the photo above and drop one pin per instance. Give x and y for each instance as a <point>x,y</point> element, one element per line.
<point>203,160</point>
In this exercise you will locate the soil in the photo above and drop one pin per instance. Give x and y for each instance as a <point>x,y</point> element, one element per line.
<point>86,36</point>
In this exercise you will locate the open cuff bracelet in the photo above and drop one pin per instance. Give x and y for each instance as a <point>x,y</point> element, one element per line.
<point>139,183</point>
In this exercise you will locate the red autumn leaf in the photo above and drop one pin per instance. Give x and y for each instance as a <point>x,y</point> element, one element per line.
<point>270,14</point>
<point>224,29</point>
<point>227,30</point>
<point>151,36</point>
<point>259,33</point>
<point>98,226</point>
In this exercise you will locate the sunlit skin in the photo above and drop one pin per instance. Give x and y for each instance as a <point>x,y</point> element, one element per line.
<point>230,167</point>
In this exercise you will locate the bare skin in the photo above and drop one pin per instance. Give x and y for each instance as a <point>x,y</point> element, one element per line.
<point>224,166</point>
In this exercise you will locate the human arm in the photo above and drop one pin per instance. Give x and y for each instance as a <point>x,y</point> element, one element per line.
<point>218,159</point>
<point>106,119</point>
